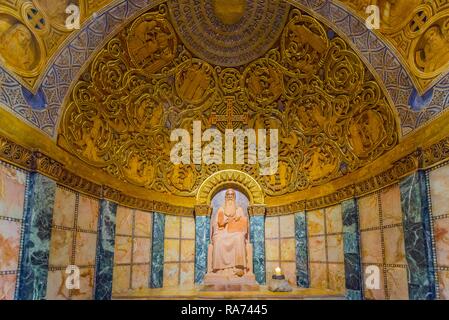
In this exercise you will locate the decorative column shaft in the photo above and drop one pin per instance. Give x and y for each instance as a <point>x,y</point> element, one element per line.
<point>418,237</point>
<point>105,250</point>
<point>38,217</point>
<point>157,256</point>
<point>351,243</point>
<point>257,238</point>
<point>302,260</point>
<point>202,240</point>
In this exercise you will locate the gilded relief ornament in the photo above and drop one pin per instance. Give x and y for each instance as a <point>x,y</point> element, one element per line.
<point>20,50</point>
<point>432,49</point>
<point>152,43</point>
<point>332,115</point>
<point>195,81</point>
<point>418,31</point>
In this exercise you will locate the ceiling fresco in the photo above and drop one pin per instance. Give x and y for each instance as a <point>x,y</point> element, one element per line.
<point>332,115</point>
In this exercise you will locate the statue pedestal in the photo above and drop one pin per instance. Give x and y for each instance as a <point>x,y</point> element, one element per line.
<point>218,282</point>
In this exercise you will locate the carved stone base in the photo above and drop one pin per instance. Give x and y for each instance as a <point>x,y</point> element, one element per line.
<point>218,282</point>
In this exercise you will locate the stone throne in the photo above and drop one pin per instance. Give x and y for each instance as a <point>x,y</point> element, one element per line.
<point>230,253</point>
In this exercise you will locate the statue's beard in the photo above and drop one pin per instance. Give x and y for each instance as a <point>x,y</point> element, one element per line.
<point>230,208</point>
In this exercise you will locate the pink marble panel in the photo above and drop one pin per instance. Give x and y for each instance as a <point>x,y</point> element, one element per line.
<point>171,250</point>
<point>172,227</point>
<point>123,250</point>
<point>143,224</point>
<point>439,190</point>
<point>272,227</point>
<point>86,289</point>
<point>88,211</point>
<point>315,222</point>
<point>9,245</point>
<point>187,276</point>
<point>394,246</point>
<point>317,249</point>
<point>64,208</point>
<point>288,249</point>
<point>60,248</point>
<point>443,280</point>
<point>337,277</point>
<point>318,275</point>
<point>334,220</point>
<point>187,228</point>
<point>369,212</point>
<point>7,286</point>
<point>335,248</point>
<point>124,222</point>
<point>86,247</point>
<point>188,250</point>
<point>142,250</point>
<point>397,283</point>
<point>56,288</point>
<point>287,226</point>
<point>171,274</point>
<point>121,279</point>
<point>12,192</point>
<point>141,276</point>
<point>391,206</point>
<point>272,250</point>
<point>441,228</point>
<point>371,247</point>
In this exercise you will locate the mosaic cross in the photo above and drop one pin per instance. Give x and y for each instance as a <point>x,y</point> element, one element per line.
<point>229,118</point>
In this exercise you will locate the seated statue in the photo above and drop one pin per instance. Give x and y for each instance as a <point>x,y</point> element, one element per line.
<point>230,265</point>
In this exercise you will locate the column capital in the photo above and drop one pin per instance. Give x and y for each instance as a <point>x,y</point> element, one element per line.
<point>203,210</point>
<point>257,210</point>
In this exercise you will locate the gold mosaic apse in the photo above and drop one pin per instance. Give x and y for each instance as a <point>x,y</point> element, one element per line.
<point>332,115</point>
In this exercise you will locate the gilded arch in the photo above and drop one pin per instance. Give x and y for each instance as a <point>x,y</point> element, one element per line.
<point>230,178</point>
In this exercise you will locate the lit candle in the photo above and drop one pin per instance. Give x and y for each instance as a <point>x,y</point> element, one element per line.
<point>278,271</point>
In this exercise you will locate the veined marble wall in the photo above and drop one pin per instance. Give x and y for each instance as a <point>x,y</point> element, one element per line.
<point>382,242</point>
<point>438,180</point>
<point>326,256</point>
<point>179,251</point>
<point>73,242</point>
<point>280,246</point>
<point>132,254</point>
<point>12,198</point>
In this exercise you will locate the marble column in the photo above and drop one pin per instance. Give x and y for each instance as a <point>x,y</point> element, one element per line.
<point>202,240</point>
<point>105,250</point>
<point>417,236</point>
<point>302,259</point>
<point>257,238</point>
<point>157,255</point>
<point>38,217</point>
<point>351,245</point>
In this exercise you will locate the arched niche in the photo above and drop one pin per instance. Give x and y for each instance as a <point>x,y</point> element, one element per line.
<point>230,179</point>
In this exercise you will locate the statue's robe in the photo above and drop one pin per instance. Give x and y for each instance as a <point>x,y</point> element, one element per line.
<point>229,238</point>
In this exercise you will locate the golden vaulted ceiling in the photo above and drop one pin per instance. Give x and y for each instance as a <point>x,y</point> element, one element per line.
<point>280,69</point>
<point>228,63</point>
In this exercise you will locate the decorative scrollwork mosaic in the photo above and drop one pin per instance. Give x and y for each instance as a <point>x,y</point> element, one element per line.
<point>331,114</point>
